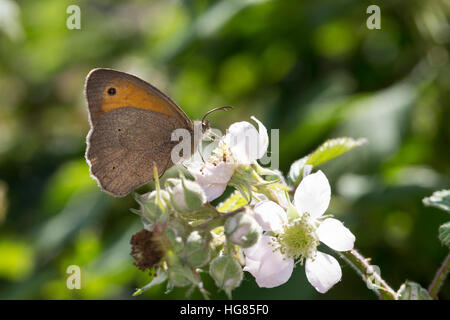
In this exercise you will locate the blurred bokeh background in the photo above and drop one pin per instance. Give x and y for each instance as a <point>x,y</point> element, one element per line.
<point>311,68</point>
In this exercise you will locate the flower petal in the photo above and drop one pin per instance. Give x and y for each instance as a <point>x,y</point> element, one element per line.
<point>213,191</point>
<point>246,143</point>
<point>323,272</point>
<point>313,195</point>
<point>270,268</point>
<point>211,177</point>
<point>263,138</point>
<point>270,216</point>
<point>333,233</point>
<point>258,250</point>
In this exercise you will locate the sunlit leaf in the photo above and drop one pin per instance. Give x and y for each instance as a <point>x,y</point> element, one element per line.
<point>439,199</point>
<point>233,202</point>
<point>331,149</point>
<point>444,234</point>
<point>296,169</point>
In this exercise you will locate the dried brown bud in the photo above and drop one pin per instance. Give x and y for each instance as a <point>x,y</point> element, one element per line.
<point>146,249</point>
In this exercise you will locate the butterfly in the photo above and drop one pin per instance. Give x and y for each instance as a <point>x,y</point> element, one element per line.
<point>131,130</point>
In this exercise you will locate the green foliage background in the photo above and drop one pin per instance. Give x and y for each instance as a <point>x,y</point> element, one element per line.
<point>310,68</point>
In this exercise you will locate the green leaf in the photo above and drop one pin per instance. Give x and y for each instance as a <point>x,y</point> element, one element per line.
<point>444,234</point>
<point>233,202</point>
<point>296,170</point>
<point>413,291</point>
<point>159,278</point>
<point>331,149</point>
<point>439,199</point>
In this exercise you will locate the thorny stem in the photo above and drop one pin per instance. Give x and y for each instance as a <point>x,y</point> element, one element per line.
<point>202,290</point>
<point>439,278</point>
<point>362,266</point>
<point>213,208</point>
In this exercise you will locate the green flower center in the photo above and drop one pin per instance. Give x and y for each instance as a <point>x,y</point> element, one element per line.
<point>298,240</point>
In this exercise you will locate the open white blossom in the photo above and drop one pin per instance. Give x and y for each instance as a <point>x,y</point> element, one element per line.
<point>245,142</point>
<point>242,145</point>
<point>295,235</point>
<point>213,178</point>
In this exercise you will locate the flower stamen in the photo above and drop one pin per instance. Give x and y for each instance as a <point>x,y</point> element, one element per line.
<point>298,240</point>
<point>222,153</point>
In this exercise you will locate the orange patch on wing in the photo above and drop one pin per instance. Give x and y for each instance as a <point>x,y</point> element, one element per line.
<point>129,94</point>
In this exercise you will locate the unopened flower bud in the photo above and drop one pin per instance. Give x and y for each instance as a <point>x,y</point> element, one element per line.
<point>197,250</point>
<point>180,275</point>
<point>175,240</point>
<point>242,229</point>
<point>154,205</point>
<point>226,272</point>
<point>187,196</point>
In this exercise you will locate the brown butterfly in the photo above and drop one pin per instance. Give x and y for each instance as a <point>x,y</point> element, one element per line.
<point>131,126</point>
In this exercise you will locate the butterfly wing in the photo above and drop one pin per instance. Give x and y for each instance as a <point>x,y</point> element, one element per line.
<point>107,89</point>
<point>131,126</point>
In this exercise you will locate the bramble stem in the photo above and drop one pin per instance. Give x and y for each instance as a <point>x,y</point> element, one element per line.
<point>220,218</point>
<point>368,274</point>
<point>439,278</point>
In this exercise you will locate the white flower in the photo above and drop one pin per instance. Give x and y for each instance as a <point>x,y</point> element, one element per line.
<point>270,268</point>
<point>246,143</point>
<point>213,178</point>
<point>242,145</point>
<point>296,235</point>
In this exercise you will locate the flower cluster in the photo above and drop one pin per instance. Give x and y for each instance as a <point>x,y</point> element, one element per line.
<point>294,234</point>
<point>266,227</point>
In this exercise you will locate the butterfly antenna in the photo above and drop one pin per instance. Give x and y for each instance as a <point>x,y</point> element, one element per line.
<point>225,108</point>
<point>205,125</point>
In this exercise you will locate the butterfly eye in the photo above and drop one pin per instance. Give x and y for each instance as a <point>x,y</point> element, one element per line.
<point>111,91</point>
